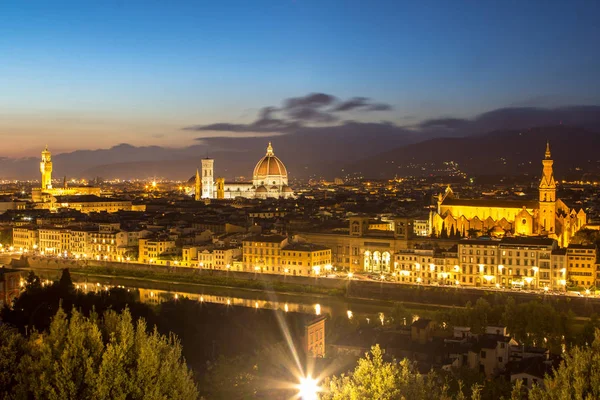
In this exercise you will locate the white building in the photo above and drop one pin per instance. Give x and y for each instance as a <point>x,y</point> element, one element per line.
<point>269,180</point>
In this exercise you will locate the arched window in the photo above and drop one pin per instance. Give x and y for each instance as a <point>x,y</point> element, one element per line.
<point>376,261</point>
<point>385,261</point>
<point>367,263</point>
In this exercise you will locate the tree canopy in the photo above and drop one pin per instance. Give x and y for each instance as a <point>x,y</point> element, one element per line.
<point>94,357</point>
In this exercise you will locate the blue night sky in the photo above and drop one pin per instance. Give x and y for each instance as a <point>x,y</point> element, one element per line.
<point>89,74</point>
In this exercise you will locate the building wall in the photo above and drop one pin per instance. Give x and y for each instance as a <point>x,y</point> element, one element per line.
<point>581,265</point>
<point>306,263</point>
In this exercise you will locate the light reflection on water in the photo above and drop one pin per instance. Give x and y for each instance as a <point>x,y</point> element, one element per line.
<point>157,296</point>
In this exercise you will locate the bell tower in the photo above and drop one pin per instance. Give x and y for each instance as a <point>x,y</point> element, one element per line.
<point>46,169</point>
<point>208,178</point>
<point>547,215</point>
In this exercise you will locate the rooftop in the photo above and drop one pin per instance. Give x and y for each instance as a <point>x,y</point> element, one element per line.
<point>491,203</point>
<point>305,247</point>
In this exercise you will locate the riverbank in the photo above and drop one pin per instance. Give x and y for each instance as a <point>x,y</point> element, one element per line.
<point>342,288</point>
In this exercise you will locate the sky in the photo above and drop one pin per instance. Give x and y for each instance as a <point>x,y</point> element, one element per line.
<point>93,74</point>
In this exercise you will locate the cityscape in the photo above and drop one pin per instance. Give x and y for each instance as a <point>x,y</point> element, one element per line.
<point>431,231</point>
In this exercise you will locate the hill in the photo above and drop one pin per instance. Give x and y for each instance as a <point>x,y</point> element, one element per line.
<point>512,152</point>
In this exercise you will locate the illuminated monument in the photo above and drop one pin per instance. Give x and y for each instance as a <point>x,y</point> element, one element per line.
<point>269,180</point>
<point>46,169</point>
<point>46,192</point>
<point>547,216</point>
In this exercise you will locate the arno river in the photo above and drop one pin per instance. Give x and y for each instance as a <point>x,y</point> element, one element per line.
<point>155,292</point>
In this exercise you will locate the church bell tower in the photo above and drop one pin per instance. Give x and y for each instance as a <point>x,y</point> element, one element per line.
<point>547,215</point>
<point>208,188</point>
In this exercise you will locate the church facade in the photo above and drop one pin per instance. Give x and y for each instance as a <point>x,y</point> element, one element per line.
<point>546,216</point>
<point>269,180</point>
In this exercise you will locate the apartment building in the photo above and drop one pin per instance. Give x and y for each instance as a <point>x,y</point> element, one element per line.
<point>581,265</point>
<point>151,250</point>
<point>426,267</point>
<point>25,237</point>
<point>262,253</point>
<point>305,259</point>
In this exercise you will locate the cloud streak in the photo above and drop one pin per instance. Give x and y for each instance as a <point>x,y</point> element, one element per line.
<point>324,115</point>
<point>314,109</point>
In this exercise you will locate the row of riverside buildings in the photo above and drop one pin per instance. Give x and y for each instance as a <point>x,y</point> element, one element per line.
<point>516,262</point>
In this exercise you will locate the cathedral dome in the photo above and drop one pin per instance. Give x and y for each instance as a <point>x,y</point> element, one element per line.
<point>270,170</point>
<point>261,189</point>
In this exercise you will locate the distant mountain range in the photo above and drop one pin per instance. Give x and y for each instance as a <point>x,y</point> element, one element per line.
<point>575,150</point>
<point>504,141</point>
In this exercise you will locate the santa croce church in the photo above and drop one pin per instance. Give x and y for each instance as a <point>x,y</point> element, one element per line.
<point>547,216</point>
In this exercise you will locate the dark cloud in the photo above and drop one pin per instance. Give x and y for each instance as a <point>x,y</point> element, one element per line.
<point>379,107</point>
<point>355,102</point>
<point>311,115</point>
<point>320,112</point>
<point>312,100</point>
<point>312,109</point>
<point>361,103</point>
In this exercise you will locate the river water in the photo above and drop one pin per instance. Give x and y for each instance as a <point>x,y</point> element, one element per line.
<point>156,292</point>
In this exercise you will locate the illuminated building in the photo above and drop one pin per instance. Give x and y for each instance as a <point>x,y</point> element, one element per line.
<point>275,254</point>
<point>426,267</point>
<point>10,286</point>
<point>581,265</point>
<point>198,187</point>
<point>365,249</point>
<point>314,337</point>
<point>25,237</point>
<point>151,250</point>
<point>47,192</point>
<point>262,253</point>
<point>547,216</point>
<point>269,180</point>
<point>306,259</point>
<point>523,262</point>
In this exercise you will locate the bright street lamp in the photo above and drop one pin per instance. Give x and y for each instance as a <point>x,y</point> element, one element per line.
<point>308,388</point>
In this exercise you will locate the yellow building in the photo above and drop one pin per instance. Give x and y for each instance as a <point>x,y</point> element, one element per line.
<point>581,265</point>
<point>306,259</point>
<point>262,253</point>
<point>274,254</point>
<point>362,248</point>
<point>426,267</point>
<point>547,216</point>
<point>54,241</point>
<point>150,250</point>
<point>25,237</point>
<point>522,262</point>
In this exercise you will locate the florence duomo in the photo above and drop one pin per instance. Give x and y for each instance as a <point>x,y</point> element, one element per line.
<point>546,216</point>
<point>269,180</point>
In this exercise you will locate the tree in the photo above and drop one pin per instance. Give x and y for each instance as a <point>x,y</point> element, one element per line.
<point>577,377</point>
<point>102,358</point>
<point>12,347</point>
<point>452,232</point>
<point>444,232</point>
<point>374,379</point>
<point>472,233</point>
<point>66,283</point>
<point>32,281</point>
